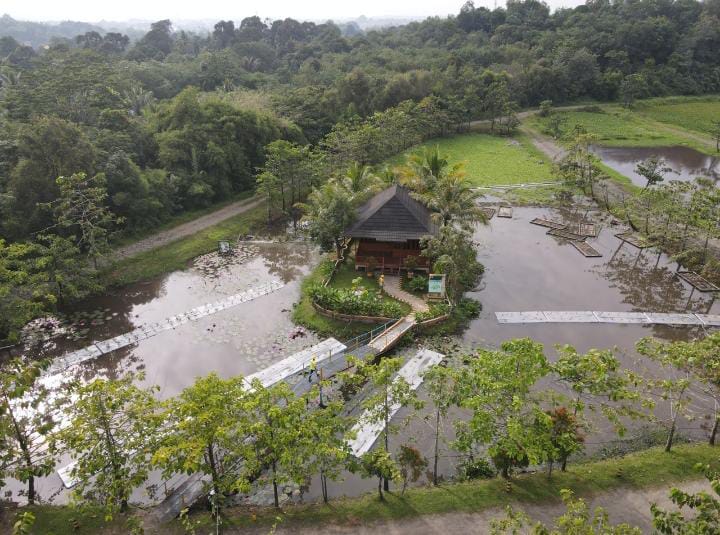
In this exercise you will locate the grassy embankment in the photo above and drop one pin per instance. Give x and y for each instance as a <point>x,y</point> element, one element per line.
<point>184,217</point>
<point>646,469</point>
<point>305,314</point>
<point>695,114</point>
<point>490,160</point>
<point>652,123</point>
<point>175,255</point>
<point>618,127</point>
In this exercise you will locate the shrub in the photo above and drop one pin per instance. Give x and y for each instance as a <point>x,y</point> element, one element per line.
<point>417,284</point>
<point>591,109</point>
<point>358,302</point>
<point>436,310</point>
<point>476,469</point>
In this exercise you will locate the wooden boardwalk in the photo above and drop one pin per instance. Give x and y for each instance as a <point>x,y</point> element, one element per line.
<point>697,281</point>
<point>591,316</point>
<point>147,331</point>
<point>387,339</point>
<point>367,433</point>
<point>585,249</point>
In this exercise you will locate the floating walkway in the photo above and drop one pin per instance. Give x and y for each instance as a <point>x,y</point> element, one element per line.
<point>519,186</point>
<point>647,318</point>
<point>147,331</point>
<point>367,433</point>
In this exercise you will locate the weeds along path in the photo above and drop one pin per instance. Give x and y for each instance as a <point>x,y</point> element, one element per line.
<point>622,505</point>
<point>186,229</point>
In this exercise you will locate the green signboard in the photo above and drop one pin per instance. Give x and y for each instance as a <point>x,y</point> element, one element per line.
<point>436,286</point>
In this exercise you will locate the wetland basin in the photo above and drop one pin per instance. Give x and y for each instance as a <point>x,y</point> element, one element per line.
<point>687,163</point>
<point>525,270</point>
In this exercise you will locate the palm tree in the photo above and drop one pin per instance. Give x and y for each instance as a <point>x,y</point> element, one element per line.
<point>454,201</point>
<point>136,99</point>
<point>424,169</point>
<point>360,182</point>
<point>444,189</point>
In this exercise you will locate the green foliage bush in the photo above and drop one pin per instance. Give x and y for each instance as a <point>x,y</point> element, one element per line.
<point>417,284</point>
<point>359,302</point>
<point>436,310</point>
<point>476,469</point>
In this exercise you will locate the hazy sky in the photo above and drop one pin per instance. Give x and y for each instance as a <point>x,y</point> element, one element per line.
<point>95,10</point>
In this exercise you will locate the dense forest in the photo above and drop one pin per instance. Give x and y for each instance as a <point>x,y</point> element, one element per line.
<point>146,129</point>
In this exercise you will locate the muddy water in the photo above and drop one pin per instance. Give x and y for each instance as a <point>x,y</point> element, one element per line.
<point>525,270</point>
<point>239,340</point>
<point>529,270</point>
<point>687,163</point>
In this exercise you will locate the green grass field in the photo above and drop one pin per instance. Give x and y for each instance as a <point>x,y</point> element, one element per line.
<point>492,160</point>
<point>695,114</point>
<point>614,128</point>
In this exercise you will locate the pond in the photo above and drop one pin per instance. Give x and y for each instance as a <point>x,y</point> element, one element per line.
<point>525,270</point>
<point>687,163</point>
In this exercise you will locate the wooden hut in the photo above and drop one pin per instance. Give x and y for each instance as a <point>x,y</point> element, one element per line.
<point>388,229</point>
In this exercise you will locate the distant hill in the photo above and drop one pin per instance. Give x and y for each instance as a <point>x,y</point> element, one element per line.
<point>37,34</point>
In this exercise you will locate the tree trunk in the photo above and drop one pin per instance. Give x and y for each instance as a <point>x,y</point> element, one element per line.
<point>437,439</point>
<point>713,434</point>
<point>671,435</point>
<point>563,466</point>
<point>386,483</point>
<point>380,480</point>
<point>323,484</point>
<point>275,491</point>
<point>213,468</point>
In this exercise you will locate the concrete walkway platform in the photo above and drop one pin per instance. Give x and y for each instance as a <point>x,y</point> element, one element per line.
<point>147,331</point>
<point>367,433</point>
<point>591,316</point>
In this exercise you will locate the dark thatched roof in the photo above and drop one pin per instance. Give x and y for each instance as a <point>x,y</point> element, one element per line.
<point>392,215</point>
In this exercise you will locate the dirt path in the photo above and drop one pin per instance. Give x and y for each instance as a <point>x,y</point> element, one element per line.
<point>622,505</point>
<point>187,229</point>
<point>545,144</point>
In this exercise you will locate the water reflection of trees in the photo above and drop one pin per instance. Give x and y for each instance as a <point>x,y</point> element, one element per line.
<point>650,286</point>
<point>286,260</point>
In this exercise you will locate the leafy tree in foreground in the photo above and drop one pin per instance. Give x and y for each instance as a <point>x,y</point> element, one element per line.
<point>378,463</point>
<point>327,431</point>
<point>704,507</point>
<point>565,436</point>
<point>26,421</point>
<point>111,434</point>
<point>282,437</point>
<point>700,358</point>
<point>599,385</point>
<point>411,465</point>
<point>507,417</point>
<point>209,424</point>
<point>388,390</point>
<point>653,170</point>
<point>439,382</point>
